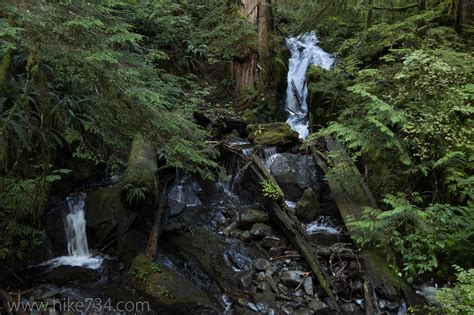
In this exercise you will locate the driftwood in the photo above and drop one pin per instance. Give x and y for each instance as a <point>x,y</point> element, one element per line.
<point>352,194</point>
<point>284,217</point>
<point>152,246</point>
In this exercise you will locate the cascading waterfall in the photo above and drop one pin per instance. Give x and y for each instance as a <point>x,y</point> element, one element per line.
<point>75,224</point>
<point>304,52</point>
<point>76,237</point>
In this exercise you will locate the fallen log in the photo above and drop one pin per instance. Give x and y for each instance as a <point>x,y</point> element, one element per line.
<point>352,194</point>
<point>287,221</point>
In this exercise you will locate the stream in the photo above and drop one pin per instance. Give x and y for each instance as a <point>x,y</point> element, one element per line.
<point>223,252</point>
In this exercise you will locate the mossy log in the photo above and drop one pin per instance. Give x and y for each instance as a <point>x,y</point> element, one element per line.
<point>352,194</point>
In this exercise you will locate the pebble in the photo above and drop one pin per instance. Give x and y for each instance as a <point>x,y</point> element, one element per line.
<point>246,236</point>
<point>292,278</point>
<point>283,289</point>
<point>245,279</point>
<point>260,230</point>
<point>308,286</point>
<point>261,264</point>
<point>317,305</point>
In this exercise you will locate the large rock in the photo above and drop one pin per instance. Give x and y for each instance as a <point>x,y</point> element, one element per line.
<point>292,278</point>
<point>295,173</point>
<point>170,291</point>
<point>307,207</point>
<point>251,216</point>
<point>272,134</point>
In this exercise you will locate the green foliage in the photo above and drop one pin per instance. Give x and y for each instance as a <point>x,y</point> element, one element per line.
<point>420,235</point>
<point>271,190</point>
<point>458,299</point>
<point>135,193</point>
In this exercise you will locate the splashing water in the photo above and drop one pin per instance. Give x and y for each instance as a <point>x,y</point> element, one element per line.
<point>304,52</point>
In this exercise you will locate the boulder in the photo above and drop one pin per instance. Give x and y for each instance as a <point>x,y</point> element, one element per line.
<point>169,290</point>
<point>272,134</point>
<point>260,230</point>
<point>64,274</point>
<point>307,207</point>
<point>295,173</point>
<point>251,216</point>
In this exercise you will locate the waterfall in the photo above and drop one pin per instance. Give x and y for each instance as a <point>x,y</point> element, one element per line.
<point>75,225</point>
<point>304,52</point>
<point>76,237</point>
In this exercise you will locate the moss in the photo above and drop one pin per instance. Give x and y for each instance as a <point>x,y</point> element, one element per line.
<point>5,65</point>
<point>273,134</point>
<point>165,286</point>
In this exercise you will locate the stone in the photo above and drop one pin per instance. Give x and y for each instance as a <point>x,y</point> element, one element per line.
<point>251,216</point>
<point>317,305</point>
<point>356,285</point>
<point>270,241</point>
<point>350,308</point>
<point>292,278</point>
<point>264,286</point>
<point>64,274</point>
<point>307,206</point>
<point>244,279</point>
<point>176,209</point>
<point>260,276</point>
<point>295,173</point>
<point>283,289</point>
<point>260,230</point>
<point>264,301</point>
<point>261,264</point>
<point>308,286</point>
<point>246,236</point>
<point>302,311</point>
<point>272,134</point>
<point>298,293</point>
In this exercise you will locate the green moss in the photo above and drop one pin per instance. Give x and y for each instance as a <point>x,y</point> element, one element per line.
<point>273,134</point>
<point>165,286</point>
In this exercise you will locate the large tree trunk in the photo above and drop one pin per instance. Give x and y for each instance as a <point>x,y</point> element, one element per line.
<point>251,70</point>
<point>463,14</point>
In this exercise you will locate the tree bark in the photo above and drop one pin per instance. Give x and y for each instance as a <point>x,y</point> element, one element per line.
<point>421,5</point>
<point>152,246</point>
<point>368,21</point>
<point>264,20</point>
<point>463,15</point>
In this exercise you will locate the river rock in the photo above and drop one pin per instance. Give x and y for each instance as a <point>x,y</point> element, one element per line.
<point>246,236</point>
<point>270,241</point>
<point>264,301</point>
<point>292,278</point>
<point>261,264</point>
<point>295,173</point>
<point>272,134</point>
<point>350,308</point>
<point>64,274</point>
<point>244,279</point>
<point>251,216</point>
<point>303,311</point>
<point>308,286</point>
<point>307,206</point>
<point>260,230</point>
<point>317,305</point>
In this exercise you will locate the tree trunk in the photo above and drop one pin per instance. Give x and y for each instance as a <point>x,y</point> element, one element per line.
<point>152,246</point>
<point>368,21</point>
<point>251,71</point>
<point>421,5</point>
<point>463,12</point>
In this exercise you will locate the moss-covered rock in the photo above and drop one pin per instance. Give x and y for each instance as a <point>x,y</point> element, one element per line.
<point>307,206</point>
<point>170,291</point>
<point>272,134</point>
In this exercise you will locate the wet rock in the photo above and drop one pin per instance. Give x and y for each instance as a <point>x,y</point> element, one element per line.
<point>264,286</point>
<point>298,293</point>
<point>64,274</point>
<point>246,236</point>
<point>260,230</point>
<point>303,311</point>
<point>317,305</point>
<point>261,264</point>
<point>270,241</point>
<point>286,310</point>
<point>307,206</point>
<point>172,292</point>
<point>260,276</point>
<point>269,279</point>
<point>350,308</point>
<point>176,209</point>
<point>294,174</point>
<point>308,286</point>
<point>272,134</point>
<point>292,278</point>
<point>251,216</point>
<point>244,279</point>
<point>264,301</point>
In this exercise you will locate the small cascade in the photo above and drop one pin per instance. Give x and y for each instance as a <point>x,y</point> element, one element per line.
<point>184,191</point>
<point>75,225</point>
<point>304,52</point>
<point>268,155</point>
<point>75,229</point>
<point>322,224</point>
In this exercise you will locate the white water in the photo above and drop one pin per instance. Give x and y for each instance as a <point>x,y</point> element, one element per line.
<point>322,225</point>
<point>76,237</point>
<point>304,52</point>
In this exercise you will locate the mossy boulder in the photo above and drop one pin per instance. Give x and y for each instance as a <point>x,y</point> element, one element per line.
<point>171,292</point>
<point>272,134</point>
<point>307,207</point>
